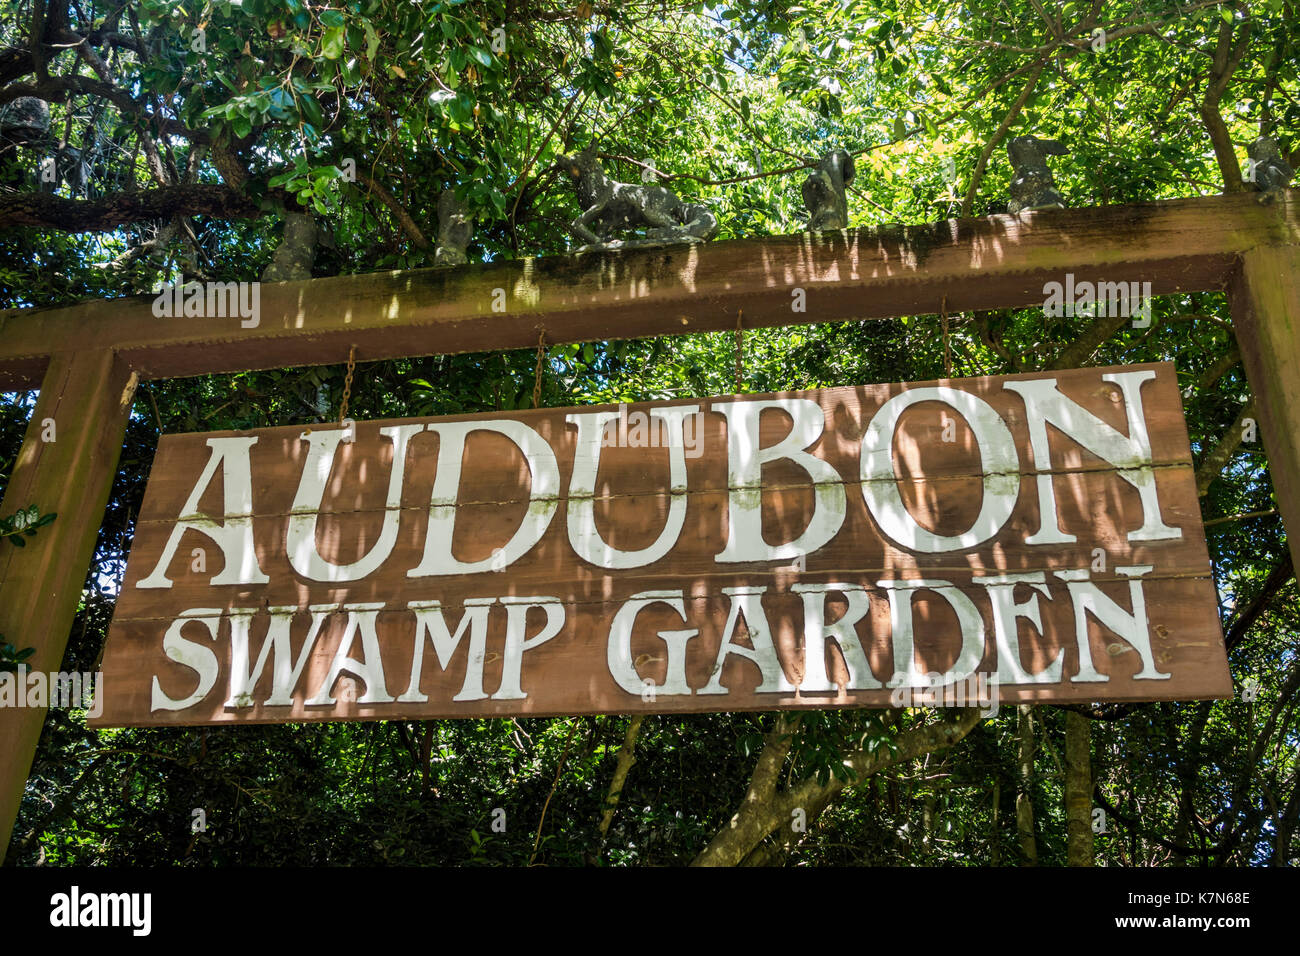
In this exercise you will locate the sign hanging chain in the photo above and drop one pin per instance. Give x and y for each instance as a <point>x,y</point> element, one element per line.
<point>947,343</point>
<point>537,375</point>
<point>347,384</point>
<point>740,350</point>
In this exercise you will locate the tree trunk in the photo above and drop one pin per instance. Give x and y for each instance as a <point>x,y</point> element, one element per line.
<point>626,758</point>
<point>1024,802</point>
<point>774,852</point>
<point>1286,826</point>
<point>1227,57</point>
<point>1078,789</point>
<point>764,809</point>
<point>995,844</point>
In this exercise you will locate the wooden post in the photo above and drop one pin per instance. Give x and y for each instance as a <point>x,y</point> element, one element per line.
<point>84,405</point>
<point>1265,298</point>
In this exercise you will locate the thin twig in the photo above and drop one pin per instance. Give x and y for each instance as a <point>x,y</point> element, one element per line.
<point>554,783</point>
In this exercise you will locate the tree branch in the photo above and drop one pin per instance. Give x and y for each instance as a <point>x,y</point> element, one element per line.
<point>1217,458</point>
<point>402,217</point>
<point>1227,57</point>
<point>107,213</point>
<point>1247,616</point>
<point>56,89</point>
<point>1082,348</point>
<point>626,758</point>
<point>763,809</point>
<point>978,174</point>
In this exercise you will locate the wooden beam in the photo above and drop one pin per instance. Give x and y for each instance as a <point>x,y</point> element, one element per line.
<point>87,398</point>
<point>1265,299</point>
<point>995,262</point>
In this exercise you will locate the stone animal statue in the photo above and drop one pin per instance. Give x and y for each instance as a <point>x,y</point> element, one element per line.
<point>824,191</point>
<point>296,253</point>
<point>454,230</point>
<point>1032,185</point>
<point>24,121</point>
<point>65,166</point>
<point>1271,173</point>
<point>611,209</point>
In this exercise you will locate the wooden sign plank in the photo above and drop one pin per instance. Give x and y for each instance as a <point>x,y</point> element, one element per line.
<point>1035,537</point>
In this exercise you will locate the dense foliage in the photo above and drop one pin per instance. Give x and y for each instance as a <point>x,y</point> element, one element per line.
<point>226,115</point>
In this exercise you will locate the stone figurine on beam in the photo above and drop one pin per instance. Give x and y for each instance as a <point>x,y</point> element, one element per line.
<point>1269,172</point>
<point>824,193</point>
<point>613,211</point>
<point>1032,185</point>
<point>454,230</point>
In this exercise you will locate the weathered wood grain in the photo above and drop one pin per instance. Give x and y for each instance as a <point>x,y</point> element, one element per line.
<point>993,262</point>
<point>1266,315</point>
<point>87,397</point>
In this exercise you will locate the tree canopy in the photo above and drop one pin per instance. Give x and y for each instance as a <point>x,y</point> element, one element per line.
<point>217,139</point>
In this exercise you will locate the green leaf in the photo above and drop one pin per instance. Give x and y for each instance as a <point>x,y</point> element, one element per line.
<point>332,43</point>
<point>311,110</point>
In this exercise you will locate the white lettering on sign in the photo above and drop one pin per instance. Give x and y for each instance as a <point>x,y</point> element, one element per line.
<point>998,463</point>
<point>862,547</point>
<point>543,498</point>
<point>1130,453</point>
<point>234,534</point>
<point>301,539</point>
<point>745,460</point>
<point>583,535</point>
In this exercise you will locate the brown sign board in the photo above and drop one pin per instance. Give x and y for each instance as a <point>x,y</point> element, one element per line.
<point>1035,537</point>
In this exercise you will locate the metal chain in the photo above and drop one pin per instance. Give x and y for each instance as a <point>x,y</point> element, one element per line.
<point>537,376</point>
<point>347,384</point>
<point>740,350</point>
<point>947,344</point>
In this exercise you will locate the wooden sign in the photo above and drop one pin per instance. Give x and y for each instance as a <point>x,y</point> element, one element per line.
<point>1034,535</point>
